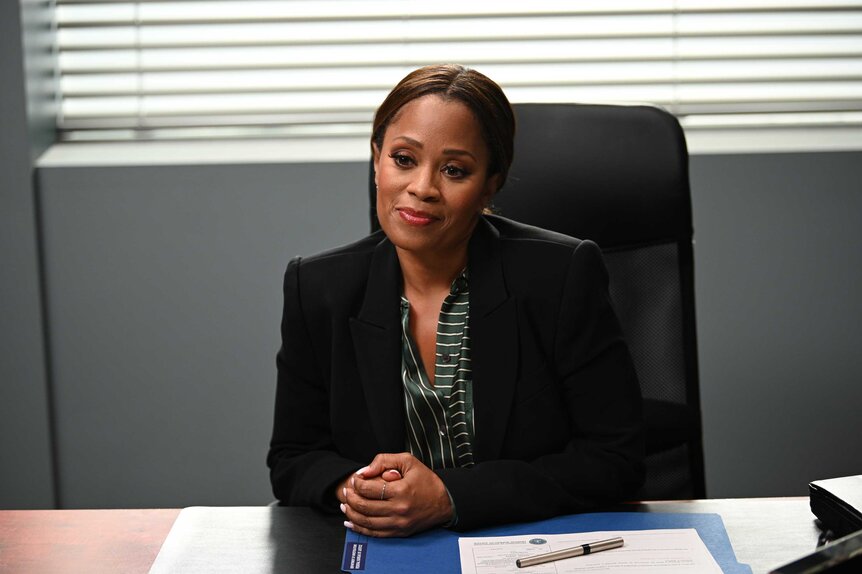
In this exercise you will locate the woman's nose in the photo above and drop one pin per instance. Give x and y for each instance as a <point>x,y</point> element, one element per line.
<point>425,186</point>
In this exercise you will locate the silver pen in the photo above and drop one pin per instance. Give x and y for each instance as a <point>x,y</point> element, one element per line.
<point>581,550</point>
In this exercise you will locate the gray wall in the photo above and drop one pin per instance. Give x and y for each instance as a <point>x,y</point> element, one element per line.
<point>778,260</point>
<point>26,127</point>
<point>165,295</point>
<point>164,298</point>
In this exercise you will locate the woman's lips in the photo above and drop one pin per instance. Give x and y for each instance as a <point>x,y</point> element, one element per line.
<point>414,217</point>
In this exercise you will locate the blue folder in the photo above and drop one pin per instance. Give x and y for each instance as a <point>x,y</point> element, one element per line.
<point>436,551</point>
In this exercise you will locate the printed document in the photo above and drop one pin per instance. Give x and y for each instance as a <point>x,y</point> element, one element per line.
<point>672,551</point>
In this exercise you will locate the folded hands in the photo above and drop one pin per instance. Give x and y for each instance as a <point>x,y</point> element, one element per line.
<point>395,495</point>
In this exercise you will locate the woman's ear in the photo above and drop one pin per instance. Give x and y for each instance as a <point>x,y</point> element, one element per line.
<point>375,158</point>
<point>491,187</point>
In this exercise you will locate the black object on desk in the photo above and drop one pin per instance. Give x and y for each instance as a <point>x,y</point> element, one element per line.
<point>837,502</point>
<point>843,556</point>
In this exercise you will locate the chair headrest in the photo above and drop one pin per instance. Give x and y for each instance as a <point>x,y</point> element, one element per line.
<point>615,174</point>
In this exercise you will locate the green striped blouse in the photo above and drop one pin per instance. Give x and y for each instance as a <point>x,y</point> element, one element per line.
<point>439,419</point>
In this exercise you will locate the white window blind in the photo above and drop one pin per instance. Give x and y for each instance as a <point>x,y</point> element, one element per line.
<point>163,70</point>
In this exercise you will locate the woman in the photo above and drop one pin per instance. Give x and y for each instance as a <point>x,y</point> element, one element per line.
<point>456,368</point>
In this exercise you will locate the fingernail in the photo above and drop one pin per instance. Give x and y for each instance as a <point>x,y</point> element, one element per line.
<point>362,470</point>
<point>348,524</point>
<point>352,482</point>
<point>395,471</point>
<point>343,509</point>
<point>344,491</point>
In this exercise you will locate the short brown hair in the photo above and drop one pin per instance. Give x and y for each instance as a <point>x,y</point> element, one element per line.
<point>475,90</point>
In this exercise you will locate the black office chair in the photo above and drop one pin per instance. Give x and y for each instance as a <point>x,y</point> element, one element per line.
<point>618,175</point>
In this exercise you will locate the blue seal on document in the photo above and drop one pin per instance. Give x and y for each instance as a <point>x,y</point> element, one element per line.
<point>537,541</point>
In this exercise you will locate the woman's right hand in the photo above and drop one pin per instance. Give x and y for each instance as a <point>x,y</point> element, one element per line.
<point>395,495</point>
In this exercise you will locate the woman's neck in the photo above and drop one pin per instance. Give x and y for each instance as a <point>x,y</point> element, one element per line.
<point>425,275</point>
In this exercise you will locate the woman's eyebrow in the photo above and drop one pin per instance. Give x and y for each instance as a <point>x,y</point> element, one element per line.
<point>450,151</point>
<point>447,151</point>
<point>411,141</point>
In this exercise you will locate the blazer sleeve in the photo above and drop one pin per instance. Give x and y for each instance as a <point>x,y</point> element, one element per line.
<point>303,462</point>
<point>602,460</point>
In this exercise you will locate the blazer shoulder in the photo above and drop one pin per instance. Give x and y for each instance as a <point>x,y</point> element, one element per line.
<point>340,270</point>
<point>524,238</point>
<point>356,250</point>
<point>343,260</point>
<point>539,260</point>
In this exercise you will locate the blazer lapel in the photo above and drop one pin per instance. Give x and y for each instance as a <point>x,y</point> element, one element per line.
<point>494,338</point>
<point>376,333</point>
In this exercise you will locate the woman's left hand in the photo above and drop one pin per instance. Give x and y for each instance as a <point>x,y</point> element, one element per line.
<point>379,503</point>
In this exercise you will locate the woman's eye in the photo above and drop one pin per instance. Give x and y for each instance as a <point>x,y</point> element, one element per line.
<point>453,171</point>
<point>401,160</point>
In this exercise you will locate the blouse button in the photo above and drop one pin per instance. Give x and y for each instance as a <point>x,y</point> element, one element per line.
<point>445,357</point>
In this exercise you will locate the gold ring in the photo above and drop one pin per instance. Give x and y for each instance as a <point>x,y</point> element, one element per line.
<point>383,492</point>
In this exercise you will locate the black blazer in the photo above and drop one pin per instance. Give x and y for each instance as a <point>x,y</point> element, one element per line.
<point>556,400</point>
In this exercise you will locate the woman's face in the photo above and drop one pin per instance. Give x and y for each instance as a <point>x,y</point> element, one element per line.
<point>432,177</point>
